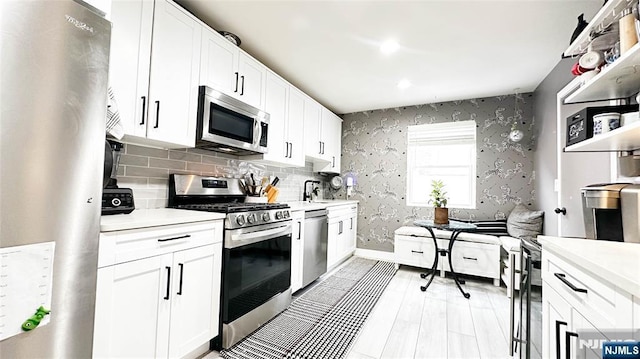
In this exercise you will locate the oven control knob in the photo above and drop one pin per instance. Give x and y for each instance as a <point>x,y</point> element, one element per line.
<point>251,218</point>
<point>266,217</point>
<point>279,215</point>
<point>240,220</point>
<point>285,214</point>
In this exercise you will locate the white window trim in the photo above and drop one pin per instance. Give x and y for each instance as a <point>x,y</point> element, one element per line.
<point>447,133</point>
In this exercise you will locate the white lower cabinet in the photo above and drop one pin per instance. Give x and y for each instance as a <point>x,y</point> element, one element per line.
<point>341,233</point>
<point>162,304</point>
<point>579,310</point>
<point>297,241</point>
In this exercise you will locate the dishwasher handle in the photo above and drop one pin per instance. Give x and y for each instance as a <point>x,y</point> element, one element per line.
<point>315,213</point>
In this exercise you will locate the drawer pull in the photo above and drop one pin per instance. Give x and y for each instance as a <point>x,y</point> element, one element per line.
<point>564,280</point>
<point>412,251</point>
<point>174,238</point>
<point>470,258</point>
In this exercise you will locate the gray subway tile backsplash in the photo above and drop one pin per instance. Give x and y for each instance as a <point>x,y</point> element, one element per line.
<point>185,156</point>
<point>169,164</point>
<point>146,171</point>
<point>202,167</point>
<point>134,171</point>
<point>146,151</point>
<point>133,160</point>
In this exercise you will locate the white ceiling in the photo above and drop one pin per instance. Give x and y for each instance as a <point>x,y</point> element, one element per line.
<point>449,50</point>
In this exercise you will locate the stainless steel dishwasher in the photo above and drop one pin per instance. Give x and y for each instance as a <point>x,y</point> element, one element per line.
<point>314,252</point>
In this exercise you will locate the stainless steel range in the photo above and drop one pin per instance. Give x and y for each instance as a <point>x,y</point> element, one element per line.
<point>256,263</point>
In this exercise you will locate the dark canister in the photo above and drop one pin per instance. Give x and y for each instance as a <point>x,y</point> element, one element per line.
<point>580,124</point>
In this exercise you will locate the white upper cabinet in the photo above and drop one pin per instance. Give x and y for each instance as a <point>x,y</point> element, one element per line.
<point>156,92</point>
<point>322,137</point>
<point>312,125</point>
<point>285,106</point>
<point>330,143</point>
<point>230,70</point>
<point>276,94</point>
<point>295,126</point>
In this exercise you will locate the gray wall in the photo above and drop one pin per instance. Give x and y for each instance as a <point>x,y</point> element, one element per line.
<point>374,147</point>
<point>146,170</point>
<point>545,155</point>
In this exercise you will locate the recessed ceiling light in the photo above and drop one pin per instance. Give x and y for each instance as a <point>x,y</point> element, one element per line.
<point>389,46</point>
<point>403,84</point>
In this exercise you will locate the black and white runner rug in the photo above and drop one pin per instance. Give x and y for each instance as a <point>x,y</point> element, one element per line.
<point>323,322</point>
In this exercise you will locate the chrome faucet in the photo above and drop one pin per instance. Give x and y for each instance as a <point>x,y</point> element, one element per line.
<point>307,195</point>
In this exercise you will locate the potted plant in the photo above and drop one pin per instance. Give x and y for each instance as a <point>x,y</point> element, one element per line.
<point>439,201</point>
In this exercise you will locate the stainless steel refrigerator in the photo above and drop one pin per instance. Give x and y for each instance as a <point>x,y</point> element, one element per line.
<point>54,58</point>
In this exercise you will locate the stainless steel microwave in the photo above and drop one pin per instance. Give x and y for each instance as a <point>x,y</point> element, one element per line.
<point>228,125</point>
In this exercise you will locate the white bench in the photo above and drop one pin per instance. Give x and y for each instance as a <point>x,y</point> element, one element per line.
<point>472,253</point>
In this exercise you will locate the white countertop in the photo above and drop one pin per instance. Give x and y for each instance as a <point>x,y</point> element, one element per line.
<point>141,218</point>
<point>310,206</point>
<point>615,262</point>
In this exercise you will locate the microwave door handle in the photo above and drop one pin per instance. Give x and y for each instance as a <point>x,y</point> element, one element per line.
<point>257,132</point>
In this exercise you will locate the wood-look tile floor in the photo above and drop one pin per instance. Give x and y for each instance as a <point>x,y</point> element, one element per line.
<point>407,323</point>
<point>439,323</point>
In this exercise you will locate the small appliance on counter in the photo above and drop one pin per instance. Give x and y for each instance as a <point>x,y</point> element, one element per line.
<point>611,211</point>
<point>114,200</point>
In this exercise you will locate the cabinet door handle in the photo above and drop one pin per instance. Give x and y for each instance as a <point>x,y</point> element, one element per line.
<point>144,108</point>
<point>340,227</point>
<point>558,324</point>
<point>166,296</point>
<point>470,258</point>
<point>351,226</point>
<point>567,343</point>
<point>242,88</point>
<point>333,161</point>
<point>157,114</point>
<point>323,147</point>
<point>174,238</point>
<point>181,265</point>
<point>299,230</point>
<point>419,252</point>
<point>286,154</point>
<point>236,90</point>
<point>290,150</point>
<point>320,152</point>
<point>564,280</point>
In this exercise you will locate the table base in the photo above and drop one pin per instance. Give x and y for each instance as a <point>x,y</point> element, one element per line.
<point>443,252</point>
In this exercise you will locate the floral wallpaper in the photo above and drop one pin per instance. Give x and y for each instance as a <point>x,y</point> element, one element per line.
<point>374,145</point>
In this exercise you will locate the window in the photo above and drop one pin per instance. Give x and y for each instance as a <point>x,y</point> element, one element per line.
<point>442,151</point>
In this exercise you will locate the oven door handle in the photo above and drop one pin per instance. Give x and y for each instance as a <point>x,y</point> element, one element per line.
<point>242,239</point>
<point>512,303</point>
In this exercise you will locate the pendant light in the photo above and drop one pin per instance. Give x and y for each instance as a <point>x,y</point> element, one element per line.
<point>516,134</point>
